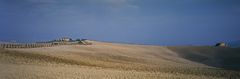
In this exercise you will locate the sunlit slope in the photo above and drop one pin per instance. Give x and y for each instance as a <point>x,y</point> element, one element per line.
<point>108,55</point>
<point>174,62</point>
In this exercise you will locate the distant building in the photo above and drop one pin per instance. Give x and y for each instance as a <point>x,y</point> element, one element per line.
<point>221,44</point>
<point>64,39</point>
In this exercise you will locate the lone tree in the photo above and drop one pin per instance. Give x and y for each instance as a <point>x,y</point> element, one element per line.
<point>78,39</point>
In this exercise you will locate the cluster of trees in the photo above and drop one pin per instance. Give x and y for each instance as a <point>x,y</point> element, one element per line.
<point>34,45</point>
<point>45,44</point>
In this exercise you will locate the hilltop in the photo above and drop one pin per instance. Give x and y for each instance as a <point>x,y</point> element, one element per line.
<point>103,60</point>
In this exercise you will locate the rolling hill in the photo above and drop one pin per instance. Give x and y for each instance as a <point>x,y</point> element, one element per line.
<point>103,60</point>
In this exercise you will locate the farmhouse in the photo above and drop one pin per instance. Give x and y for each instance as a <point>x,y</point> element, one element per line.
<point>221,44</point>
<point>64,39</point>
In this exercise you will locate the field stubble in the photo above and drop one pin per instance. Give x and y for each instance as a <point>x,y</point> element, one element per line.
<point>111,61</point>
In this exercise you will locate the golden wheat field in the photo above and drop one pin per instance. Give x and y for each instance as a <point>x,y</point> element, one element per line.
<point>103,60</point>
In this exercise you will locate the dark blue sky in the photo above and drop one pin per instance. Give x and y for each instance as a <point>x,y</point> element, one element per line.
<point>159,22</point>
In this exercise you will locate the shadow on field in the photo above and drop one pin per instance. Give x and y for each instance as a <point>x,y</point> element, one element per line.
<point>225,58</point>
